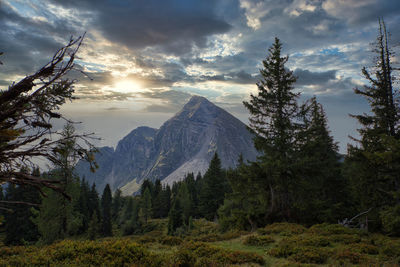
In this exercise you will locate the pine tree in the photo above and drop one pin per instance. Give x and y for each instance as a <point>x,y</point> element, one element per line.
<point>165,201</point>
<point>156,201</point>
<point>175,217</point>
<point>106,201</point>
<point>185,201</point>
<point>94,227</point>
<point>19,227</point>
<point>59,217</point>
<point>273,114</point>
<point>83,205</point>
<point>373,166</point>
<point>130,222</point>
<point>246,206</point>
<point>320,194</point>
<point>94,202</point>
<point>146,204</point>
<point>213,189</point>
<point>116,205</point>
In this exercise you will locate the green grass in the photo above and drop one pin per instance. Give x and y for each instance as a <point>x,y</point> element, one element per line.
<point>275,245</point>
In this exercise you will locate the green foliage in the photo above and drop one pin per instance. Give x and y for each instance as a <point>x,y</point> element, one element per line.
<point>390,217</point>
<point>130,220</point>
<point>106,202</point>
<point>202,254</point>
<point>175,217</point>
<point>81,253</point>
<point>94,227</point>
<point>19,228</point>
<point>117,203</point>
<point>373,167</point>
<point>171,240</point>
<point>254,240</point>
<point>146,204</point>
<point>244,208</point>
<point>214,187</point>
<point>285,229</point>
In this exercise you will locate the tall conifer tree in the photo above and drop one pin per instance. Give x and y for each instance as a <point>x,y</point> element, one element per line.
<point>373,166</point>
<point>272,118</point>
<point>106,202</point>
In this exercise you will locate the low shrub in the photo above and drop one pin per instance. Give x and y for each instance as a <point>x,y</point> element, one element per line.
<point>364,248</point>
<point>309,240</point>
<point>331,229</point>
<point>206,238</point>
<point>171,240</point>
<point>345,238</point>
<point>390,249</point>
<point>206,255</point>
<point>285,229</point>
<point>344,256</point>
<point>213,237</point>
<point>82,253</point>
<point>254,240</point>
<point>310,255</point>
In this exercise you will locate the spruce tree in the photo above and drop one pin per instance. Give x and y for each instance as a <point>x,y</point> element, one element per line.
<point>214,187</point>
<point>273,114</point>
<point>175,217</point>
<point>94,227</point>
<point>146,204</point>
<point>373,166</point>
<point>246,206</point>
<point>106,202</point>
<point>59,217</point>
<point>320,194</point>
<point>157,204</point>
<point>116,205</point>
<point>19,228</point>
<point>165,201</point>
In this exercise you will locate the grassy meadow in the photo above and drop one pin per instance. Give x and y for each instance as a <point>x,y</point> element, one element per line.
<point>279,244</point>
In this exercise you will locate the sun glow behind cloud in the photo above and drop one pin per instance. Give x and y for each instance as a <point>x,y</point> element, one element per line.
<point>126,86</point>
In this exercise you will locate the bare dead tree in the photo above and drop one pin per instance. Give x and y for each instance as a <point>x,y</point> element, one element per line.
<point>27,112</point>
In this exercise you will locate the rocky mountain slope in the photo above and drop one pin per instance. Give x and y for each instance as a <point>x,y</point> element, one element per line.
<point>185,143</point>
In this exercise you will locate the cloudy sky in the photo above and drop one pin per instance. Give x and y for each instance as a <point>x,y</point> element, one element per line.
<point>148,57</point>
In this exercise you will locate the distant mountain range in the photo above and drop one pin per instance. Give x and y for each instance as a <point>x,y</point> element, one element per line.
<point>185,143</point>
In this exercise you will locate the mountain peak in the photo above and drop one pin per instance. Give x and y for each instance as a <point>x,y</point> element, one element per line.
<point>196,102</point>
<point>197,99</point>
<point>185,143</point>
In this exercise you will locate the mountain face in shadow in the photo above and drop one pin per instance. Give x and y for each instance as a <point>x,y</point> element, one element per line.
<point>185,143</point>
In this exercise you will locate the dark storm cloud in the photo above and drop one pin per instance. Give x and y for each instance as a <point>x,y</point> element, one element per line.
<point>28,43</point>
<point>173,25</point>
<point>358,12</point>
<point>306,77</point>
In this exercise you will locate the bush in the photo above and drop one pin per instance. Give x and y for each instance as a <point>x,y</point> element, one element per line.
<point>344,256</point>
<point>206,255</point>
<point>285,229</point>
<point>390,218</point>
<point>81,253</point>
<point>308,240</point>
<point>309,255</point>
<point>331,229</point>
<point>254,240</point>
<point>345,238</point>
<point>364,248</point>
<point>170,240</point>
<point>390,249</point>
